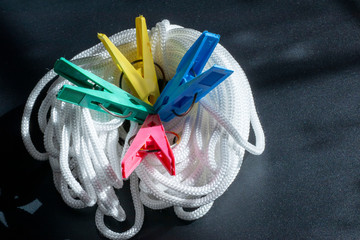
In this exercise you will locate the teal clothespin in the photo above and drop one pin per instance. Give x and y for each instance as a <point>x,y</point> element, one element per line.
<point>95,93</point>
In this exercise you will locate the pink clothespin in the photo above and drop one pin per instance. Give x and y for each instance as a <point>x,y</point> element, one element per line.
<point>151,138</point>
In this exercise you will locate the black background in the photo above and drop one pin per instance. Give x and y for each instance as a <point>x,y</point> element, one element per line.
<point>302,59</point>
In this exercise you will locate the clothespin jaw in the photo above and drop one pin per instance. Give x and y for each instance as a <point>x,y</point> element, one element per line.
<point>143,82</point>
<point>191,92</point>
<point>180,91</point>
<point>95,93</point>
<point>150,137</point>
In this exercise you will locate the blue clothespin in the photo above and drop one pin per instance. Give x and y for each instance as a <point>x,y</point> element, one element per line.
<point>189,84</point>
<point>95,93</point>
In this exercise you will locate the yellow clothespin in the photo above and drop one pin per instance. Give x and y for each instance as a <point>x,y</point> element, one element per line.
<point>143,82</point>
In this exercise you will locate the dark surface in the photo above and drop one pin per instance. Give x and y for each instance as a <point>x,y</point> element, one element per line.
<point>302,59</point>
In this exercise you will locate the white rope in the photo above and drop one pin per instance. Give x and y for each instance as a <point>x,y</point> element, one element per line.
<point>83,147</point>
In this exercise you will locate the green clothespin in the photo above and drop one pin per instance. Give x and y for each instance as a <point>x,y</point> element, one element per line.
<point>95,93</point>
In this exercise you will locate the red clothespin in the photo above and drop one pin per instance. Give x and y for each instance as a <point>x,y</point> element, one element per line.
<point>151,138</point>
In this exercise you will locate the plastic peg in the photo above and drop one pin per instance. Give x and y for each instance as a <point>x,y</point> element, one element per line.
<point>144,52</point>
<point>151,138</point>
<point>96,93</point>
<point>143,81</point>
<point>189,84</point>
<point>191,92</point>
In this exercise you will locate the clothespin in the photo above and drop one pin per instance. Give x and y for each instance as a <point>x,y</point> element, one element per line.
<point>150,138</point>
<point>189,85</point>
<point>95,93</point>
<point>143,82</point>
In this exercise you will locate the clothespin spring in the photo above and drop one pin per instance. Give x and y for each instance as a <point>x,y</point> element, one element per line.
<point>177,137</point>
<point>111,113</point>
<point>160,81</point>
<point>187,111</point>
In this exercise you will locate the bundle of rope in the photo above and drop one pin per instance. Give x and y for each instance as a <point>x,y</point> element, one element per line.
<point>85,153</point>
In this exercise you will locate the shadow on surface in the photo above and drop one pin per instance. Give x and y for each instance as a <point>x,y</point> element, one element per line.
<point>19,179</point>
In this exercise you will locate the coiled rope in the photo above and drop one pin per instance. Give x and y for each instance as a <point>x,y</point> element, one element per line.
<point>83,146</point>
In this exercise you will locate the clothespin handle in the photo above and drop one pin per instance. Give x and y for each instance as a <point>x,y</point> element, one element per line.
<point>95,93</point>
<point>144,53</point>
<point>191,92</point>
<point>195,59</point>
<point>125,66</point>
<point>143,85</point>
<point>79,76</point>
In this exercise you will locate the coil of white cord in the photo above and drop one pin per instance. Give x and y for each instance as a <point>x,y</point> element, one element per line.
<point>83,147</point>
